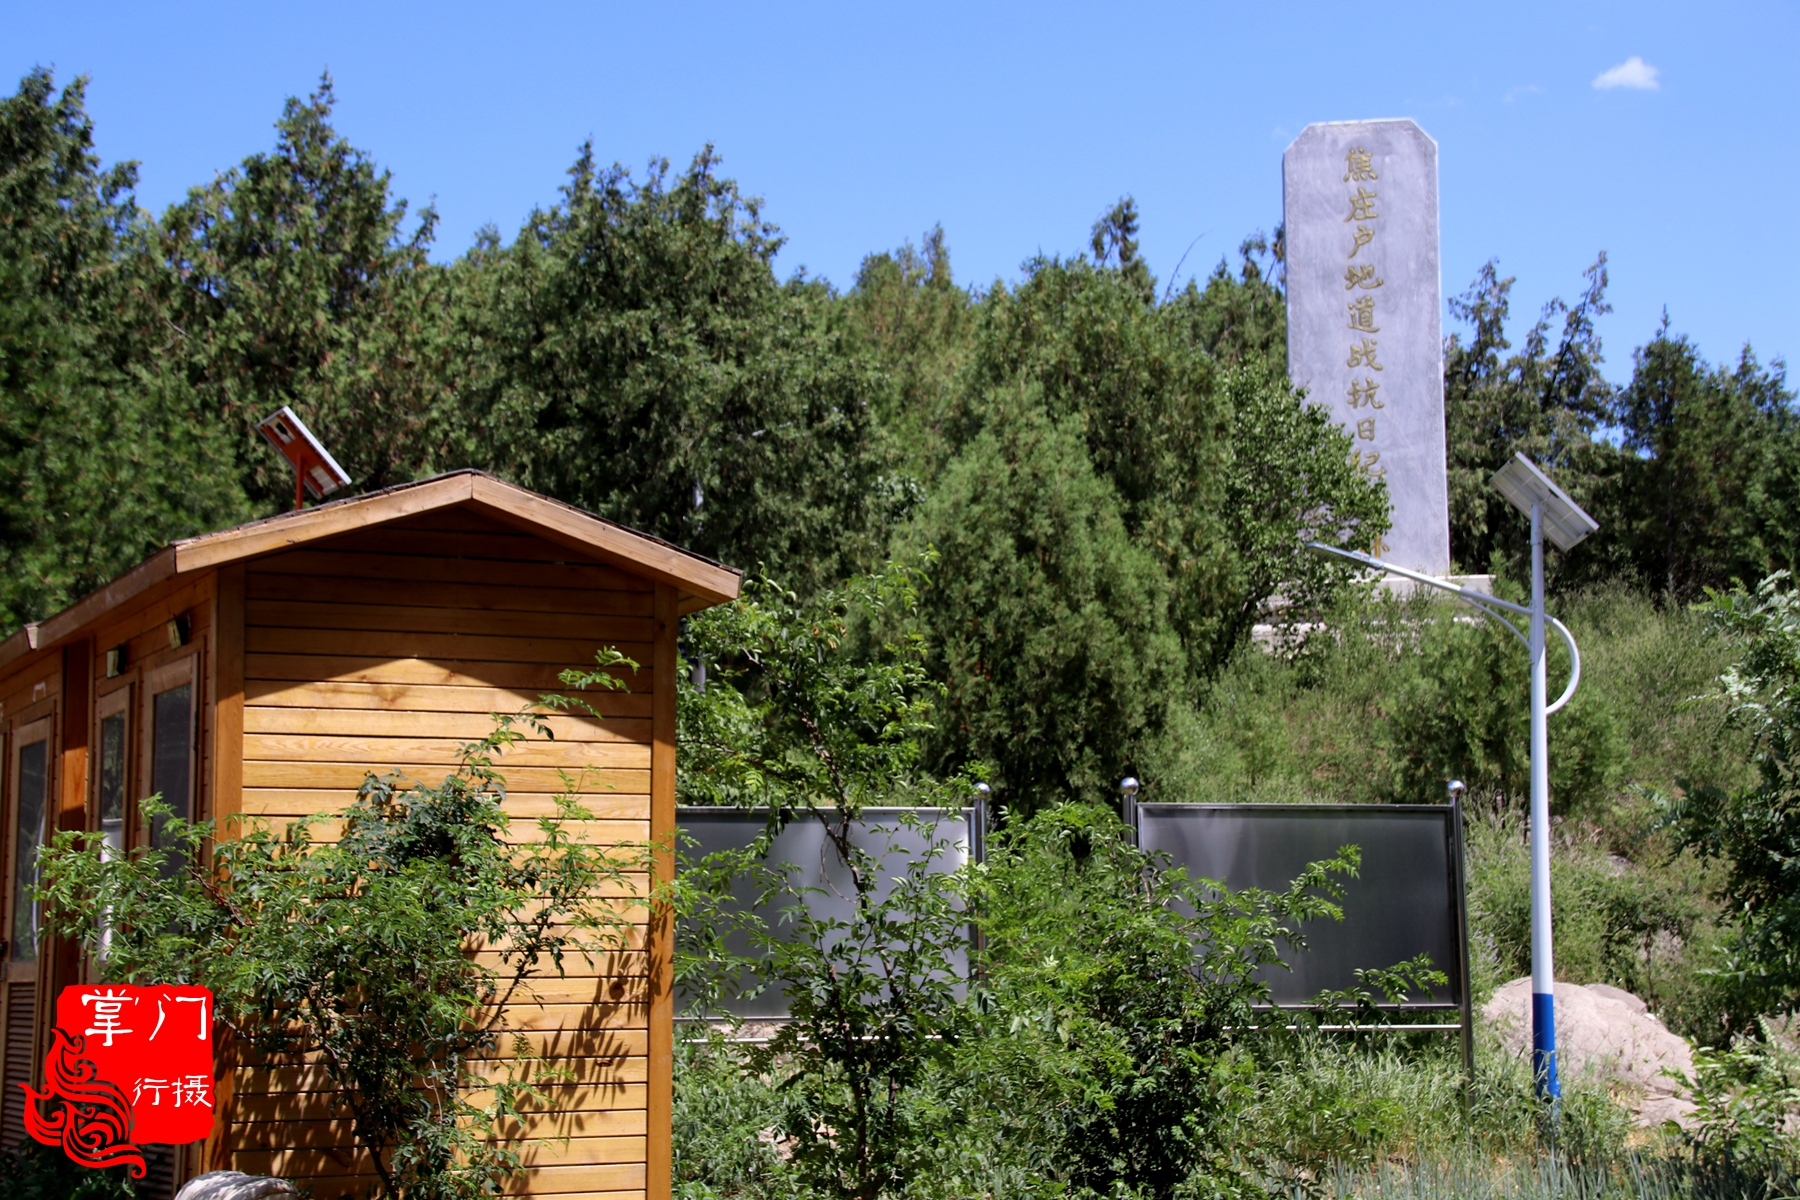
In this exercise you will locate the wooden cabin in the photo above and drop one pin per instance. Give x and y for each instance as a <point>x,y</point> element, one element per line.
<point>265,669</point>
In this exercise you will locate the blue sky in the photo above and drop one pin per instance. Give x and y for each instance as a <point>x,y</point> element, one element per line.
<point>1016,125</point>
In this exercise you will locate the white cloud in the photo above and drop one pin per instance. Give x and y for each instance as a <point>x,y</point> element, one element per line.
<point>1634,72</point>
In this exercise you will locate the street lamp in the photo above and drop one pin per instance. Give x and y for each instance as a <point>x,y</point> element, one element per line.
<point>1552,513</point>
<point>1128,790</point>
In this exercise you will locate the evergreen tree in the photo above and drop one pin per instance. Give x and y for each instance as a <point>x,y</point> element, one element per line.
<point>1707,493</point>
<point>100,461</point>
<point>636,355</point>
<point>921,326</point>
<point>1048,624</point>
<point>1244,317</point>
<point>1547,400</point>
<point>292,281</point>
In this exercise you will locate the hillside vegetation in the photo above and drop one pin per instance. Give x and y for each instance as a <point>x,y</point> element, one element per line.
<point>1025,530</point>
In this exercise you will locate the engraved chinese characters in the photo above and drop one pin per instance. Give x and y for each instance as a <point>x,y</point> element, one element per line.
<point>156,1045</point>
<point>1360,203</point>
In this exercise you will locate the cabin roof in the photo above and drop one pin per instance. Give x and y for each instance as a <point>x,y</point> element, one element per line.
<point>700,581</point>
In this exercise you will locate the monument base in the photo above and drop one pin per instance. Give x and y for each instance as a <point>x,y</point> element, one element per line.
<point>1270,637</point>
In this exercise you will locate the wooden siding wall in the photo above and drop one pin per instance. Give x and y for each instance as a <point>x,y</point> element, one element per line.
<point>384,649</point>
<point>33,688</point>
<point>64,682</point>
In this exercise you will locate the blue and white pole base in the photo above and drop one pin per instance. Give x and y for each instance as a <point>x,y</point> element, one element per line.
<point>1543,1045</point>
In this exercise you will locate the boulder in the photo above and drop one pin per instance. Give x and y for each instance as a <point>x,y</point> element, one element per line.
<point>235,1185</point>
<point>1606,1033</point>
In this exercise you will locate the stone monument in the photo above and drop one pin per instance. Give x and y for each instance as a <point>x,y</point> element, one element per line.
<point>1360,201</point>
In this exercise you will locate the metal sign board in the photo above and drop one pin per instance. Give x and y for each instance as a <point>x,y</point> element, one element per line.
<point>818,877</point>
<point>1407,898</point>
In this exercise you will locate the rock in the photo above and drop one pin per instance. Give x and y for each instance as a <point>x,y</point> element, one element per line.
<point>1607,1033</point>
<point>1620,994</point>
<point>235,1185</point>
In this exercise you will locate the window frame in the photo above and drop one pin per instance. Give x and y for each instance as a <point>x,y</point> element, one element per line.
<point>36,724</point>
<point>113,703</point>
<point>153,682</point>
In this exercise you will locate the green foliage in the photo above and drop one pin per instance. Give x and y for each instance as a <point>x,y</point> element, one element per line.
<point>1242,318</point>
<point>1122,991</point>
<point>795,713</point>
<point>1547,400</point>
<point>291,280</point>
<point>1114,240</point>
<point>794,721</point>
<point>1081,345</point>
<point>1709,496</point>
<point>1693,471</point>
<point>1742,1136</point>
<point>33,1171</point>
<point>1406,694</point>
<point>354,953</point>
<point>1643,926</point>
<point>1117,511</point>
<point>1048,622</point>
<point>874,1007</point>
<point>1466,715</point>
<point>1754,831</point>
<point>636,356</point>
<point>1289,482</point>
<point>101,459</point>
<point>724,1123</point>
<point>921,327</point>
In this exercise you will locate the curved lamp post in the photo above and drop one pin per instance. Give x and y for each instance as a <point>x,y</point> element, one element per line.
<point>1555,515</point>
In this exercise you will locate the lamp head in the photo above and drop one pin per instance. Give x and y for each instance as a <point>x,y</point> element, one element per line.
<point>1523,484</point>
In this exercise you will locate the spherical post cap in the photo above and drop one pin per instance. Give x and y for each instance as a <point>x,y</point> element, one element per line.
<point>983,790</point>
<point>1456,788</point>
<point>1129,786</point>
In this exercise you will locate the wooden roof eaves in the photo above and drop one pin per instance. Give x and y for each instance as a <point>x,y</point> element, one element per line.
<point>18,645</point>
<point>90,608</point>
<point>701,582</point>
<point>707,582</point>
<point>309,525</point>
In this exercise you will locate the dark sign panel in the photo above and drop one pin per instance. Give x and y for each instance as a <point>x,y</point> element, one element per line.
<point>817,877</point>
<point>1406,900</point>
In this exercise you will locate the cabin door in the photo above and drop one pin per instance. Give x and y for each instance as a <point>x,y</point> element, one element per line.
<point>28,814</point>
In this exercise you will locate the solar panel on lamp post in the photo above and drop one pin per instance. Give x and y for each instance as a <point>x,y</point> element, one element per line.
<point>1555,515</point>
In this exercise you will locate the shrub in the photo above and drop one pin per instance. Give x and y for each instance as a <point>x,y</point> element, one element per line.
<point>355,951</point>
<point>1117,996</point>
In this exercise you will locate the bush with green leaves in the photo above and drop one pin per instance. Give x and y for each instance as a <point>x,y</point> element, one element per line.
<point>1646,927</point>
<point>1119,996</point>
<point>354,954</point>
<point>1754,831</point>
<point>799,719</point>
<point>1743,1132</point>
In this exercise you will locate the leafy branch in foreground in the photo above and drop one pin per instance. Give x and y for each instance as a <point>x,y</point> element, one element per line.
<point>1755,831</point>
<point>806,722</point>
<point>1119,999</point>
<point>386,958</point>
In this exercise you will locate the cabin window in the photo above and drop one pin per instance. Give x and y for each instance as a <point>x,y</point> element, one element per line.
<point>172,761</point>
<point>31,789</point>
<point>112,782</point>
